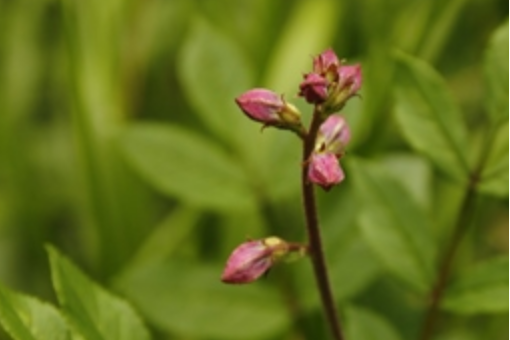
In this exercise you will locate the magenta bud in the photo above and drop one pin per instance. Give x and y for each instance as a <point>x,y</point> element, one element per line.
<point>314,88</point>
<point>347,85</point>
<point>350,78</point>
<point>325,63</point>
<point>269,108</point>
<point>324,170</point>
<point>333,136</point>
<point>261,105</point>
<point>252,259</point>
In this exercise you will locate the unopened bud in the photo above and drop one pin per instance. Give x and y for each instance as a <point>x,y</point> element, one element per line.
<point>324,170</point>
<point>269,108</point>
<point>326,63</point>
<point>333,135</point>
<point>261,105</point>
<point>252,259</point>
<point>314,88</point>
<point>348,84</point>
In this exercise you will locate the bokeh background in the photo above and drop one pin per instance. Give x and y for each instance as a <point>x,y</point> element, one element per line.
<point>121,145</point>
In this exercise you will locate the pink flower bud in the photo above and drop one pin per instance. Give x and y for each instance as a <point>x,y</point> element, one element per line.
<point>261,105</point>
<point>350,78</point>
<point>314,88</point>
<point>326,62</point>
<point>346,85</point>
<point>252,259</point>
<point>334,135</point>
<point>324,170</point>
<point>268,107</point>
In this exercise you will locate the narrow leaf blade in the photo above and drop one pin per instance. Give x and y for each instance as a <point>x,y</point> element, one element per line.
<point>93,312</point>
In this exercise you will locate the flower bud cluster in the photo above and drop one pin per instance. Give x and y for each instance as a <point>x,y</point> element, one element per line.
<point>330,84</point>
<point>328,87</point>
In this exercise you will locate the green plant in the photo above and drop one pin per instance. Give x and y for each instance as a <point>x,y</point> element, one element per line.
<point>120,144</point>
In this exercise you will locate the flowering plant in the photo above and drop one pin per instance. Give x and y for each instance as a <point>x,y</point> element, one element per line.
<point>328,87</point>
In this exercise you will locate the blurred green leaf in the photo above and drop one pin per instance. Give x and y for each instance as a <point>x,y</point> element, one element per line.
<point>190,300</point>
<point>439,28</point>
<point>482,289</point>
<point>411,24</point>
<point>429,118</point>
<point>26,318</point>
<point>213,72</point>
<point>237,227</point>
<point>181,163</point>
<point>298,43</point>
<point>494,178</point>
<point>363,324</point>
<point>93,312</point>
<point>254,32</point>
<point>394,225</point>
<point>283,165</point>
<point>166,237</point>
<point>414,173</point>
<point>496,73</point>
<point>160,26</point>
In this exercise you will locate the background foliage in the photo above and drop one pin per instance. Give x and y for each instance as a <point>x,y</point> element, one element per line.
<point>121,146</point>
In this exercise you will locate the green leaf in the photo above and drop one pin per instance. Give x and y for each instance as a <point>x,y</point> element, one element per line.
<point>236,227</point>
<point>494,179</point>
<point>93,312</point>
<point>299,42</point>
<point>184,164</point>
<point>362,324</point>
<point>440,27</point>
<point>394,225</point>
<point>160,28</point>
<point>415,174</point>
<point>166,237</point>
<point>26,318</point>
<point>213,72</point>
<point>190,300</point>
<point>482,289</point>
<point>496,73</point>
<point>283,165</point>
<point>429,119</point>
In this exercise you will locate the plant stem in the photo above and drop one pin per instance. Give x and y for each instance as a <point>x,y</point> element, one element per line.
<point>437,293</point>
<point>314,238</point>
<point>466,212</point>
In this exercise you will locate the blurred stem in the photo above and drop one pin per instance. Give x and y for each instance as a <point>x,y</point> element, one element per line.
<point>466,213</point>
<point>314,237</point>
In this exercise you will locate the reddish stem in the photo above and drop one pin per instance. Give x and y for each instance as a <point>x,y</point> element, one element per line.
<point>315,247</point>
